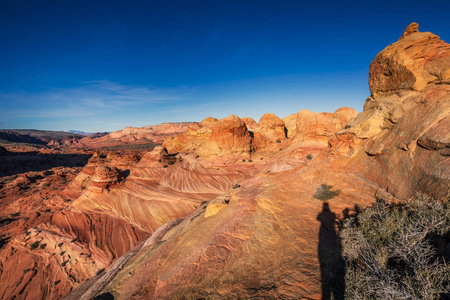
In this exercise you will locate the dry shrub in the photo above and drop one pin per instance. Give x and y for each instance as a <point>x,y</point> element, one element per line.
<point>398,251</point>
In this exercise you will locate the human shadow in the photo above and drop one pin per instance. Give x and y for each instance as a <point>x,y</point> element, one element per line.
<point>332,264</point>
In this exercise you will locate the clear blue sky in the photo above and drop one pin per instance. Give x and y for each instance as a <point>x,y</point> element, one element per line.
<point>104,65</point>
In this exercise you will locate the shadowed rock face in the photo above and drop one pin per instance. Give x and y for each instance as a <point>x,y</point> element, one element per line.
<point>248,220</point>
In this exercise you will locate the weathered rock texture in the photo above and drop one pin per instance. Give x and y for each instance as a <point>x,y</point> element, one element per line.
<point>416,60</point>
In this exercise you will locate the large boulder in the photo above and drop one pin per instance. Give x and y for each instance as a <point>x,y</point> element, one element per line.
<point>417,59</point>
<point>404,126</point>
<point>228,136</point>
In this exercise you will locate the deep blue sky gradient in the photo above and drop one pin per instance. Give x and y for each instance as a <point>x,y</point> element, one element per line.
<point>104,65</point>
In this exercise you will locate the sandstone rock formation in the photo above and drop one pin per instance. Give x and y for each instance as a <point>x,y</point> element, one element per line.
<point>409,82</point>
<point>416,60</point>
<point>211,137</point>
<point>321,127</point>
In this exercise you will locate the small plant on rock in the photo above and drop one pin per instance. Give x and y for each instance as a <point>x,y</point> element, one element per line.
<point>324,192</point>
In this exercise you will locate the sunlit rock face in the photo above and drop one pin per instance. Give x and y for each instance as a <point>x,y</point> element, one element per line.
<point>416,60</point>
<point>404,125</point>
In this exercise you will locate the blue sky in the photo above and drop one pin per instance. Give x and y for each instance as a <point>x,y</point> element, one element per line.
<point>104,65</point>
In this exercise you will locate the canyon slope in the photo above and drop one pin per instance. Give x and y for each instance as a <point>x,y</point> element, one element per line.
<point>233,208</point>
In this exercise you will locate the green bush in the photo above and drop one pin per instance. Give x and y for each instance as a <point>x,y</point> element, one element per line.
<point>324,192</point>
<point>394,251</point>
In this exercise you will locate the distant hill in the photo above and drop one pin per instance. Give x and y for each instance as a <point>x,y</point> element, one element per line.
<point>84,133</point>
<point>33,136</point>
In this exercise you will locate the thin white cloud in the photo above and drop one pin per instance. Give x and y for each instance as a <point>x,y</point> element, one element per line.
<point>89,99</point>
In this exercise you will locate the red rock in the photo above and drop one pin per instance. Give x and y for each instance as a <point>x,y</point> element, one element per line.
<point>272,127</point>
<point>416,60</point>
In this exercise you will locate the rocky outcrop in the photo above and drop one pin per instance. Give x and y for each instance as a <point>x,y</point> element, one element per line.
<point>250,123</point>
<point>406,117</point>
<point>227,136</point>
<point>416,60</point>
<point>272,127</point>
<point>104,179</point>
<point>320,127</point>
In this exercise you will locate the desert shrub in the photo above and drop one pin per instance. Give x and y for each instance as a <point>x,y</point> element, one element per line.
<point>309,157</point>
<point>42,246</point>
<point>14,215</point>
<point>64,263</point>
<point>395,251</point>
<point>236,186</point>
<point>324,192</point>
<point>165,166</point>
<point>170,162</point>
<point>60,244</point>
